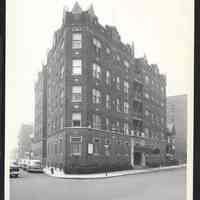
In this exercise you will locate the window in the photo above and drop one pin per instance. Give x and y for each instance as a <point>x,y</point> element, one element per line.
<point>60,145</point>
<point>146,132</point>
<point>107,142</point>
<point>76,119</point>
<point>118,105</point>
<point>61,122</point>
<point>163,90</point>
<point>76,40</point>
<point>96,145</point>
<point>108,51</point>
<point>126,64</point>
<point>62,44</point>
<point>96,43</point>
<point>96,96</point>
<point>108,102</point>
<point>126,128</point>
<point>113,126</point>
<point>146,79</point>
<point>117,126</point>
<point>76,93</point>
<point>76,67</point>
<point>146,95</point>
<point>62,72</point>
<point>162,120</point>
<point>48,148</point>
<point>126,107</point>
<point>118,83</point>
<point>96,121</point>
<point>55,148</point>
<point>108,78</point>
<point>146,113</point>
<point>114,105</point>
<point>152,117</point>
<point>62,94</point>
<point>76,145</point>
<point>107,124</point>
<point>126,87</point>
<point>96,71</point>
<point>118,58</point>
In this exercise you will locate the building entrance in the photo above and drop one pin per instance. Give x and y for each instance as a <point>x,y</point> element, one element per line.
<point>137,158</point>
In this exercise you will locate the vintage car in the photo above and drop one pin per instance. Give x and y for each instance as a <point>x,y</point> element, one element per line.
<point>14,169</point>
<point>34,166</point>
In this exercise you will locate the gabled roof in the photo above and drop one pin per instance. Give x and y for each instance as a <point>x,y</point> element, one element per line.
<point>76,8</point>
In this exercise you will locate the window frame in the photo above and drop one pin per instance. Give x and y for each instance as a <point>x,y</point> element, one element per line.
<point>76,96</point>
<point>96,71</point>
<point>96,96</point>
<point>96,121</point>
<point>76,68</point>
<point>76,43</point>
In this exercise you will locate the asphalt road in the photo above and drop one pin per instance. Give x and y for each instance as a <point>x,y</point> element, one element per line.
<point>165,185</point>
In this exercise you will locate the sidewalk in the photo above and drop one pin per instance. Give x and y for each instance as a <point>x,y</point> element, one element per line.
<point>60,174</point>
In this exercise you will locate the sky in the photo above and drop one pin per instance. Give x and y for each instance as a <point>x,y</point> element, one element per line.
<point>163,30</point>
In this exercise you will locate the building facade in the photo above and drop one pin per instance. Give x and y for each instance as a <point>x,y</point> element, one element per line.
<point>177,114</point>
<point>104,107</point>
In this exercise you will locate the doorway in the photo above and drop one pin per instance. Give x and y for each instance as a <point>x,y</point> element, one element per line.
<point>137,158</point>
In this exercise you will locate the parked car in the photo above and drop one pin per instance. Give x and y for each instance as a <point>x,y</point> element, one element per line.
<point>23,164</point>
<point>14,169</point>
<point>34,166</point>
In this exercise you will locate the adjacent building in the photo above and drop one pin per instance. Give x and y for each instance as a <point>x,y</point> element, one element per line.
<point>24,141</point>
<point>40,127</point>
<point>171,138</point>
<point>177,114</point>
<point>97,106</point>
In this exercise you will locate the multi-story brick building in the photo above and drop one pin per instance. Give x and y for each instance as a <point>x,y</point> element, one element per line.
<point>105,108</point>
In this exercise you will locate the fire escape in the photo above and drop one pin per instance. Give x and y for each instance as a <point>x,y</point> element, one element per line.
<point>137,104</point>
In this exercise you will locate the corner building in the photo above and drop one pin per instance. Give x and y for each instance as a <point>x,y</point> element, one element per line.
<point>106,109</point>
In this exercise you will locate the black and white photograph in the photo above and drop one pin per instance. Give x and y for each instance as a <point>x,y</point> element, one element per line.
<point>99,100</point>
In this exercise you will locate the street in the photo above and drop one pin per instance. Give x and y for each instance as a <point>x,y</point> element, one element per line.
<point>165,185</point>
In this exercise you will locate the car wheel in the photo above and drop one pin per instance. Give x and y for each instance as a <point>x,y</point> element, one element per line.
<point>16,176</point>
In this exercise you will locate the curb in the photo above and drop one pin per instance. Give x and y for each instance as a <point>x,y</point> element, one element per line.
<point>111,174</point>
